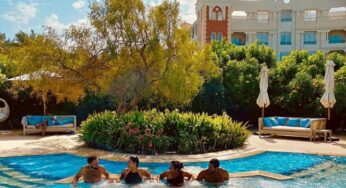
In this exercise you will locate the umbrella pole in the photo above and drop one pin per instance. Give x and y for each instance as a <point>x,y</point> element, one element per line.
<point>328,113</point>
<point>263,110</point>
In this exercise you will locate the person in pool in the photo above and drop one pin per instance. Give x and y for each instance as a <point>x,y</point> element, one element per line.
<point>133,174</point>
<point>92,173</point>
<point>214,174</point>
<point>175,176</point>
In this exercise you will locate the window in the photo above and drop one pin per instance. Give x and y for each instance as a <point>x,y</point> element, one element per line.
<point>286,16</point>
<point>310,15</point>
<point>336,39</point>
<point>239,15</point>
<point>263,16</point>
<point>337,12</point>
<point>219,36</point>
<point>285,38</point>
<point>217,14</point>
<point>336,36</point>
<point>212,36</point>
<point>238,38</point>
<point>310,37</point>
<point>283,54</point>
<point>262,38</point>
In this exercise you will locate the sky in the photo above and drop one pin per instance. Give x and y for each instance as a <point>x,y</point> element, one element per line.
<point>26,15</point>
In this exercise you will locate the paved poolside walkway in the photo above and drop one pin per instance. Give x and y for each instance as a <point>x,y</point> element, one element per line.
<point>16,145</point>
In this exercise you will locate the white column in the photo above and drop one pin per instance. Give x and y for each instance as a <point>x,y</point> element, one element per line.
<point>324,39</point>
<point>250,37</point>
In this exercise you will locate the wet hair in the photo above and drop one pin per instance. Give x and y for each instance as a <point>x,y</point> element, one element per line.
<point>91,159</point>
<point>134,159</point>
<point>215,163</point>
<point>177,165</point>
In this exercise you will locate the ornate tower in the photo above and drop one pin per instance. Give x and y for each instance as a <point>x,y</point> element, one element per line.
<point>213,20</point>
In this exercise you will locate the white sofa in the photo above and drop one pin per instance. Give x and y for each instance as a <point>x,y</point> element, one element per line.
<point>62,123</point>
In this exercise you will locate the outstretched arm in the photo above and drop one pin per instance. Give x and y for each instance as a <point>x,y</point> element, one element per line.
<point>123,174</point>
<point>201,176</point>
<point>145,173</point>
<point>106,174</point>
<point>188,175</point>
<point>226,175</point>
<point>77,176</point>
<point>163,175</point>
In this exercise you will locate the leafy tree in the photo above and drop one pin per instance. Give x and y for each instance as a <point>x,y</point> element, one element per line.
<point>340,92</point>
<point>224,51</point>
<point>60,65</point>
<point>153,58</point>
<point>211,97</point>
<point>237,87</point>
<point>130,51</point>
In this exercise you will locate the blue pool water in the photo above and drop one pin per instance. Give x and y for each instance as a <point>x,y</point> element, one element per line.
<point>44,170</point>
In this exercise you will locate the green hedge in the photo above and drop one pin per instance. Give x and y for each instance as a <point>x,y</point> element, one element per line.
<point>151,132</point>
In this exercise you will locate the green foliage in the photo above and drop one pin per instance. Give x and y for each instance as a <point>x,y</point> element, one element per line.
<point>297,83</point>
<point>153,132</point>
<point>224,52</point>
<point>237,89</point>
<point>212,96</point>
<point>340,92</point>
<point>153,57</point>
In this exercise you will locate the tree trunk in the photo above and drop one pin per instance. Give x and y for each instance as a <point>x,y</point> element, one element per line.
<point>44,103</point>
<point>126,107</point>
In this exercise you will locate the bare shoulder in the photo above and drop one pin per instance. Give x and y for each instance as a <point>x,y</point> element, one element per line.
<point>102,168</point>
<point>165,172</point>
<point>203,171</point>
<point>223,170</point>
<point>125,171</point>
<point>143,171</point>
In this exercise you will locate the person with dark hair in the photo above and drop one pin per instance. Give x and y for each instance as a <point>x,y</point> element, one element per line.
<point>175,176</point>
<point>214,174</point>
<point>91,173</point>
<point>133,174</point>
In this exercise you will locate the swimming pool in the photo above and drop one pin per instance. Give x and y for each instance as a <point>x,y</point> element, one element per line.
<point>309,170</point>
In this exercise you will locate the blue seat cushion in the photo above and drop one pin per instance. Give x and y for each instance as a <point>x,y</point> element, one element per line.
<point>304,123</point>
<point>282,120</point>
<point>273,121</point>
<point>293,122</point>
<point>34,120</point>
<point>50,120</point>
<point>64,120</point>
<point>267,122</point>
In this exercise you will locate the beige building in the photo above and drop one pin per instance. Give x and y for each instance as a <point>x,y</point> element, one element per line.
<point>284,25</point>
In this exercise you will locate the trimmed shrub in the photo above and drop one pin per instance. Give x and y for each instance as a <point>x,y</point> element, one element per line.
<point>152,132</point>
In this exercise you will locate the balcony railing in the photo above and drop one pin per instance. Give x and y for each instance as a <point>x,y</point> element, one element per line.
<point>265,43</point>
<point>309,42</point>
<point>285,43</point>
<point>286,19</point>
<point>338,41</point>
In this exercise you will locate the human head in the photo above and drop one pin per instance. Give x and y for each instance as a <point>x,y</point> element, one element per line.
<point>93,161</point>
<point>176,166</point>
<point>214,164</point>
<point>133,162</point>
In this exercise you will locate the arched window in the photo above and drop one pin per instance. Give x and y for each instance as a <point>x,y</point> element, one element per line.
<point>217,14</point>
<point>212,36</point>
<point>219,36</point>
